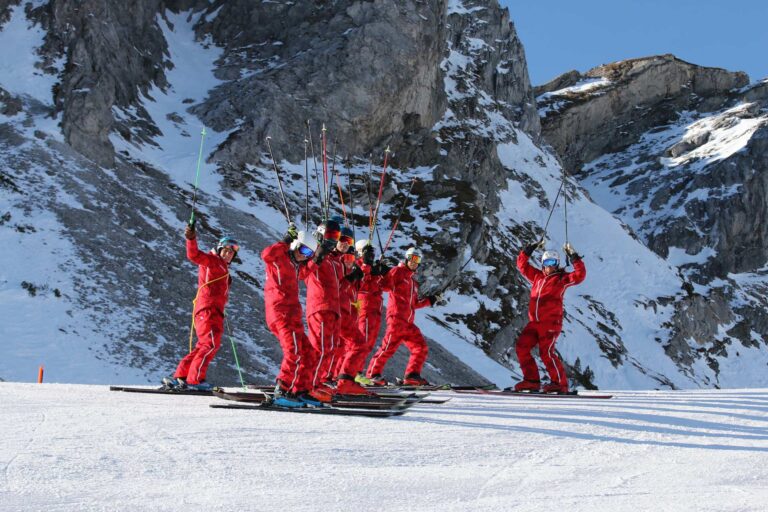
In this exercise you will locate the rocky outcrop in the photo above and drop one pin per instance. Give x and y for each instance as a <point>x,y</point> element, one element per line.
<point>632,97</point>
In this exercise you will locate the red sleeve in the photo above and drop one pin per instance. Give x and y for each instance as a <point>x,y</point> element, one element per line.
<point>421,303</point>
<point>387,279</point>
<point>578,275</point>
<point>273,251</point>
<point>529,271</point>
<point>197,256</point>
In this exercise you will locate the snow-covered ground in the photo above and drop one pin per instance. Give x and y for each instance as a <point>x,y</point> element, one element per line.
<point>76,447</point>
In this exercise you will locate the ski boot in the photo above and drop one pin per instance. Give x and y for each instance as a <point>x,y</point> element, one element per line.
<point>283,398</point>
<point>320,394</point>
<point>414,379</point>
<point>172,382</point>
<point>378,380</point>
<point>554,387</point>
<point>308,399</point>
<point>347,386</point>
<point>526,386</point>
<point>200,386</point>
<point>363,380</point>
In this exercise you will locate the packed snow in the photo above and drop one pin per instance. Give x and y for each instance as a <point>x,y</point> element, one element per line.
<point>85,448</point>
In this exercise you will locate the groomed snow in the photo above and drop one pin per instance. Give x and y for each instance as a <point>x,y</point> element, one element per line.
<point>75,447</point>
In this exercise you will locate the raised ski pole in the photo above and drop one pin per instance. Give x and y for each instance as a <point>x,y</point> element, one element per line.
<point>314,163</point>
<point>565,211</point>
<point>370,201</point>
<point>324,149</point>
<point>234,351</point>
<point>279,181</point>
<point>306,182</point>
<point>341,198</point>
<point>330,183</point>
<point>197,177</point>
<point>552,209</point>
<point>351,198</point>
<point>397,221</point>
<point>378,200</point>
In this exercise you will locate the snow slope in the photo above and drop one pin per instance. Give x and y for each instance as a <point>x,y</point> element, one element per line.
<point>74,447</point>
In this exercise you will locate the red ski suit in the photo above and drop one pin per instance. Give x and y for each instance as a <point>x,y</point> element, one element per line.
<point>545,319</point>
<point>213,282</point>
<point>352,353</point>
<point>370,299</point>
<point>401,311</point>
<point>284,318</point>
<point>323,282</point>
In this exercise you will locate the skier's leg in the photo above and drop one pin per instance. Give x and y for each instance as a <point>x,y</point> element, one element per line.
<point>416,343</point>
<point>525,342</point>
<point>389,345</point>
<point>555,369</point>
<point>209,325</point>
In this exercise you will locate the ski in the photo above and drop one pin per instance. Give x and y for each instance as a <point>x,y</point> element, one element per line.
<point>533,395</point>
<point>340,402</point>
<point>162,391</point>
<point>372,413</point>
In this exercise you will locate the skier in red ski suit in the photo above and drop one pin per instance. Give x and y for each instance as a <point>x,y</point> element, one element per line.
<point>322,275</point>
<point>282,262</point>
<point>213,282</point>
<point>352,356</point>
<point>369,296</point>
<point>403,302</point>
<point>545,317</point>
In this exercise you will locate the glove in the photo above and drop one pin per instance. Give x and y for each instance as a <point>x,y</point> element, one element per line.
<point>528,249</point>
<point>320,254</point>
<point>571,252</point>
<point>292,233</point>
<point>368,255</point>
<point>433,299</point>
<point>189,232</point>
<point>379,269</point>
<point>355,274</point>
<point>328,245</point>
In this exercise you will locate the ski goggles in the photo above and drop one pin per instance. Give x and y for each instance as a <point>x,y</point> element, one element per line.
<point>234,247</point>
<point>332,234</point>
<point>550,262</point>
<point>306,251</point>
<point>415,258</point>
<point>348,258</point>
<point>346,239</point>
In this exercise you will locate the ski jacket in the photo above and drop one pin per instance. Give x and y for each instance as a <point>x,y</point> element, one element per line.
<point>213,278</point>
<point>323,281</point>
<point>347,295</point>
<point>369,291</point>
<point>403,294</point>
<point>546,303</point>
<point>281,287</point>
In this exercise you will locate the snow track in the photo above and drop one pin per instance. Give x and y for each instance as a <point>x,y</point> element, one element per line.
<point>102,450</point>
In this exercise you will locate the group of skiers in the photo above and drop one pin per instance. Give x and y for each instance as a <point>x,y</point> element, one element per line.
<point>345,283</point>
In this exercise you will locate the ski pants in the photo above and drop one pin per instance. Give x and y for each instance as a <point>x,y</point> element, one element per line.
<point>353,345</point>
<point>369,325</point>
<point>323,327</point>
<point>209,326</point>
<point>298,355</point>
<point>543,335</point>
<point>399,332</point>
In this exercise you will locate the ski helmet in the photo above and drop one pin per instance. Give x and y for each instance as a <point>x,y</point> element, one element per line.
<point>413,254</point>
<point>305,244</point>
<point>347,235</point>
<point>227,242</point>
<point>550,259</point>
<point>330,230</point>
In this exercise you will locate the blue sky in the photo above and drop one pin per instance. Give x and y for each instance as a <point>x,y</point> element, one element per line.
<point>560,35</point>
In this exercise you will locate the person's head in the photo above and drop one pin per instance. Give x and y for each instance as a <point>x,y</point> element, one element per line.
<point>303,247</point>
<point>349,257</point>
<point>412,258</point>
<point>227,248</point>
<point>330,230</point>
<point>550,262</point>
<point>345,240</point>
<point>359,246</point>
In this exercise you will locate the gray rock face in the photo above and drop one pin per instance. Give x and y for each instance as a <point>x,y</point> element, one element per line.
<point>636,96</point>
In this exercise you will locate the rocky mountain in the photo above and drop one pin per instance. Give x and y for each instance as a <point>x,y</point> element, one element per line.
<point>103,104</point>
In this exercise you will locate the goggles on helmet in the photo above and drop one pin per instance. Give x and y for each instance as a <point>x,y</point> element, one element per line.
<point>550,262</point>
<point>228,243</point>
<point>346,239</point>
<point>306,251</point>
<point>332,234</point>
<point>414,258</point>
<point>348,257</point>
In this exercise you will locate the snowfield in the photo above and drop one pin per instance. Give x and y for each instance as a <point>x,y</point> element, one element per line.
<point>70,447</point>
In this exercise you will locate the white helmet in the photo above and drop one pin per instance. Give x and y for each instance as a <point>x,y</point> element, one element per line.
<point>361,244</point>
<point>550,255</point>
<point>304,239</point>
<point>412,251</point>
